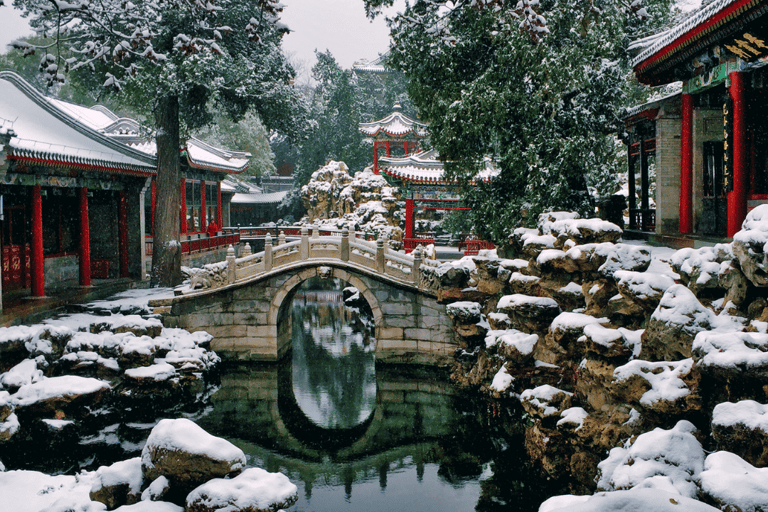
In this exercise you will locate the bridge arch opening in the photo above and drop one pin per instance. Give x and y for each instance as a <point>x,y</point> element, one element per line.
<point>331,327</point>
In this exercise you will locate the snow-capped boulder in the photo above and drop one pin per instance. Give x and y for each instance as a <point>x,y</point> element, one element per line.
<point>742,428</point>
<point>699,268</point>
<point>664,460</point>
<point>26,372</point>
<point>633,500</point>
<point>749,245</point>
<point>254,490</point>
<point>657,386</point>
<point>529,314</point>
<point>632,258</point>
<point>673,325</point>
<point>567,329</point>
<point>187,455</point>
<point>644,289</point>
<point>69,393</point>
<point>733,483</point>
<point>119,484</point>
<point>606,343</point>
<point>466,318</point>
<point>545,401</point>
<point>732,354</point>
<point>512,345</point>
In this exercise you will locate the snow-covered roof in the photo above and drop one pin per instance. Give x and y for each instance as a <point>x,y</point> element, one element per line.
<point>271,198</point>
<point>395,124</point>
<point>425,167</point>
<point>693,32</point>
<point>45,133</point>
<point>374,66</point>
<point>651,104</point>
<point>200,154</point>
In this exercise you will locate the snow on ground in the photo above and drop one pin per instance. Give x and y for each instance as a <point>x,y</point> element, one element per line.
<point>33,491</point>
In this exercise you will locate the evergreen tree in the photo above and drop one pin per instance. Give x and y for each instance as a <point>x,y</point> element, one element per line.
<point>174,58</point>
<point>538,85</point>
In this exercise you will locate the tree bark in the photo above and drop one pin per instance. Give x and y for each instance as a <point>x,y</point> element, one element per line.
<point>166,253</point>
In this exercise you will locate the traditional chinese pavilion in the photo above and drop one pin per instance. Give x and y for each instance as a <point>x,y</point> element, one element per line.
<point>76,191</point>
<point>708,144</point>
<point>397,134</point>
<point>421,178</point>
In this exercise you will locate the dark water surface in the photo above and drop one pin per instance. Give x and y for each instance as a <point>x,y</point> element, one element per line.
<point>352,435</point>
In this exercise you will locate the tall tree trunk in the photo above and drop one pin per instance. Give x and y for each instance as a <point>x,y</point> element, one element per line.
<point>166,253</point>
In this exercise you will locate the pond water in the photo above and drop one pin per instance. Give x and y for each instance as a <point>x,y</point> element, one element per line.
<point>352,435</point>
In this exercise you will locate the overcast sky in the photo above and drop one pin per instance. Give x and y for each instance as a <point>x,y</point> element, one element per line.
<point>337,25</point>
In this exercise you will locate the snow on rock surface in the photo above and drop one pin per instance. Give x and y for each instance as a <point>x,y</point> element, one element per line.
<point>747,413</point>
<point>65,389</point>
<point>502,380</point>
<point>188,455</point>
<point>731,351</point>
<point>150,506</point>
<point>118,484</point>
<point>545,401</point>
<point>669,460</point>
<point>26,372</point>
<point>634,500</point>
<point>732,482</point>
<point>254,489</point>
<point>664,379</point>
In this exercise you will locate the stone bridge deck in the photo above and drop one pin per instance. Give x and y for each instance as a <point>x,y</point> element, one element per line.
<point>245,302</point>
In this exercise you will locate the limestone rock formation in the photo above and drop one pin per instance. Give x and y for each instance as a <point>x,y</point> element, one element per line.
<point>365,202</point>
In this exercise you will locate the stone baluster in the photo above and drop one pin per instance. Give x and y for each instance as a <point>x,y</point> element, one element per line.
<point>345,244</point>
<point>267,253</point>
<point>231,265</point>
<point>384,238</point>
<point>304,243</point>
<point>416,269</point>
<point>281,238</point>
<point>246,251</point>
<point>380,255</point>
<point>315,231</point>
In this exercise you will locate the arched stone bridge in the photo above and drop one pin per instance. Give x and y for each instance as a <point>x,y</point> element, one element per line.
<point>245,302</point>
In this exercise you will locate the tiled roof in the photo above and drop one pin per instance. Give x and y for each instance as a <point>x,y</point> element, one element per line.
<point>47,134</point>
<point>424,167</point>
<point>271,198</point>
<point>395,124</point>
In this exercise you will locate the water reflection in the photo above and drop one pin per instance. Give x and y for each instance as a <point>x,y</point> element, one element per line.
<point>334,366</point>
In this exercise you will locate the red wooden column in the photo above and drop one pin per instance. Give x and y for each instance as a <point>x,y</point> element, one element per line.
<point>388,147</point>
<point>154,203</point>
<point>38,264</point>
<point>409,203</point>
<point>737,198</point>
<point>686,166</point>
<point>122,232</point>
<point>183,203</point>
<point>405,148</point>
<point>85,240</point>
<point>203,207</point>
<point>376,157</point>
<point>219,216</point>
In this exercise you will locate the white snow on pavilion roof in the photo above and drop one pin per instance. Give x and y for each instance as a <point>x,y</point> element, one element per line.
<point>48,134</point>
<point>271,198</point>
<point>374,66</point>
<point>395,124</point>
<point>681,29</point>
<point>425,167</point>
<point>201,154</point>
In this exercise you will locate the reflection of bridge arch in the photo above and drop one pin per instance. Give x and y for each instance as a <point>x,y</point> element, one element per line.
<point>250,319</point>
<point>254,405</point>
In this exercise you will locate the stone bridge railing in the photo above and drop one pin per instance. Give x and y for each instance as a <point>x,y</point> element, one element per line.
<point>375,256</point>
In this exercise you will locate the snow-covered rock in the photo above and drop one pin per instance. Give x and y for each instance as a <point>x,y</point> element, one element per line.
<point>733,483</point>
<point>253,490</point>
<point>187,455</point>
<point>68,392</point>
<point>742,428</point>
<point>663,460</point>
<point>634,500</point>
<point>673,325</point>
<point>545,401</point>
<point>118,484</point>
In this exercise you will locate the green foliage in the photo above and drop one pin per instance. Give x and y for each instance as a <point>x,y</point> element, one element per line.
<point>545,104</point>
<point>341,100</point>
<point>249,135</point>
